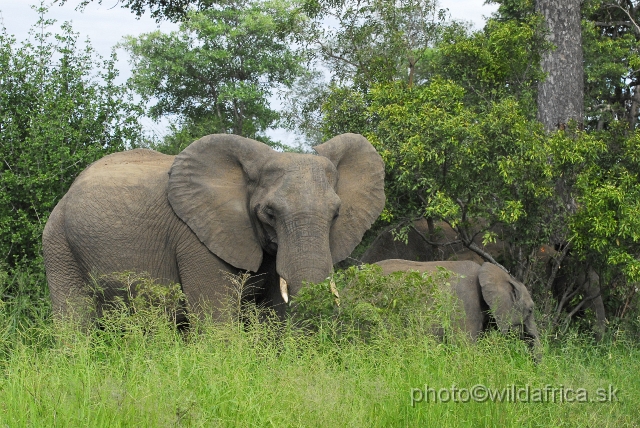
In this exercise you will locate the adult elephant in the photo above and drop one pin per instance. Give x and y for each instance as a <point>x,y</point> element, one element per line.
<point>225,204</point>
<point>487,293</point>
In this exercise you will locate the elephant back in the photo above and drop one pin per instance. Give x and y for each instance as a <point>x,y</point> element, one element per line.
<point>463,284</point>
<point>125,168</point>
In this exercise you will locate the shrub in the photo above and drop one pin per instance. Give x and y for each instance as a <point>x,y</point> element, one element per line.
<point>361,302</point>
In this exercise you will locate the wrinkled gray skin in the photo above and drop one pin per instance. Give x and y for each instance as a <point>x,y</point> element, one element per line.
<point>224,204</point>
<point>486,292</point>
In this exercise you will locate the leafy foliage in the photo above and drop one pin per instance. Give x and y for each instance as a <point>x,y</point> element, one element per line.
<point>445,161</point>
<point>374,40</point>
<point>360,302</point>
<point>60,110</point>
<point>611,44</point>
<point>607,223</point>
<point>217,72</point>
<point>502,60</point>
<point>172,9</point>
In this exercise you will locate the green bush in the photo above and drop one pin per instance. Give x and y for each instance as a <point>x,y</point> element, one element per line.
<point>362,302</point>
<point>60,110</point>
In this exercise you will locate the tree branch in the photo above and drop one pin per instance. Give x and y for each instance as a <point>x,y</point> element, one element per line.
<point>473,247</point>
<point>626,11</point>
<point>428,241</point>
<point>613,23</point>
<point>329,52</point>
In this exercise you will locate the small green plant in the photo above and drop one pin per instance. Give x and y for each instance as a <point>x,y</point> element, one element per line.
<point>143,303</point>
<point>364,302</point>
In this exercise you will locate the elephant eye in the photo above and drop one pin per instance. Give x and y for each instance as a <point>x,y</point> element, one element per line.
<point>268,212</point>
<point>336,213</point>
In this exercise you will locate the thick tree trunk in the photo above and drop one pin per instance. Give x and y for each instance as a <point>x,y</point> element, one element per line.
<point>561,94</point>
<point>635,107</point>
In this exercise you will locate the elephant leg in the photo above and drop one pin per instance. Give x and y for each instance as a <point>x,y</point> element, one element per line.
<point>597,305</point>
<point>206,282</point>
<point>70,295</point>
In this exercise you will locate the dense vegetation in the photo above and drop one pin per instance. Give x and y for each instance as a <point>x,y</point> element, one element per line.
<point>454,117</point>
<point>451,110</point>
<point>350,370</point>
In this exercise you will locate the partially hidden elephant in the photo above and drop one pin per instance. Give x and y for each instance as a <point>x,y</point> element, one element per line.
<point>487,293</point>
<point>416,248</point>
<point>449,247</point>
<point>225,204</point>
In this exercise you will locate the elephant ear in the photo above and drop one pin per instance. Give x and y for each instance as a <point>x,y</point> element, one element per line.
<point>501,292</point>
<point>360,187</point>
<point>208,185</point>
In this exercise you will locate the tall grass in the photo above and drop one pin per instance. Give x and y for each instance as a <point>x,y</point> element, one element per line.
<point>139,370</point>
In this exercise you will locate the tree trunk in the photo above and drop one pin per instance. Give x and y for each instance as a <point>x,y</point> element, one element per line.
<point>635,107</point>
<point>561,94</point>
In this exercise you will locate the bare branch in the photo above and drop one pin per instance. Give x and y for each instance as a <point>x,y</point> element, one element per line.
<point>613,23</point>
<point>626,11</point>
<point>329,52</point>
<point>473,247</point>
<point>428,241</point>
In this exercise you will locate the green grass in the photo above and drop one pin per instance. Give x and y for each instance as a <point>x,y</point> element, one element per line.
<point>138,371</point>
<point>227,376</point>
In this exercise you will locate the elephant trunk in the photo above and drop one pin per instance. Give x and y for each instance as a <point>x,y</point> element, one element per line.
<point>533,340</point>
<point>303,255</point>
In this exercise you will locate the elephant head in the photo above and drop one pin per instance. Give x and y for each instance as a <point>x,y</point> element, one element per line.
<point>510,303</point>
<point>241,198</point>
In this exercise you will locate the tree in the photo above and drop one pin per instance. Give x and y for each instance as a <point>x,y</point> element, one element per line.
<point>502,60</point>
<point>561,93</point>
<point>219,69</point>
<point>606,224</point>
<point>60,110</point>
<point>472,170</point>
<point>366,42</point>
<point>374,40</point>
<point>611,42</point>
<point>171,9</point>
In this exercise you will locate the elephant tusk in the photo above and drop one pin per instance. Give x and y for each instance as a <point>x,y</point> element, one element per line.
<point>334,291</point>
<point>284,290</point>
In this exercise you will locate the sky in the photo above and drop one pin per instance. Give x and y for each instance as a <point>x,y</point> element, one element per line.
<point>107,23</point>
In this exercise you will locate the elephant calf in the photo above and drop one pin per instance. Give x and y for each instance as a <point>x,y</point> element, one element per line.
<point>485,292</point>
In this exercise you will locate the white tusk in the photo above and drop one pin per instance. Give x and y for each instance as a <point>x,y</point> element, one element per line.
<point>284,290</point>
<point>334,291</point>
